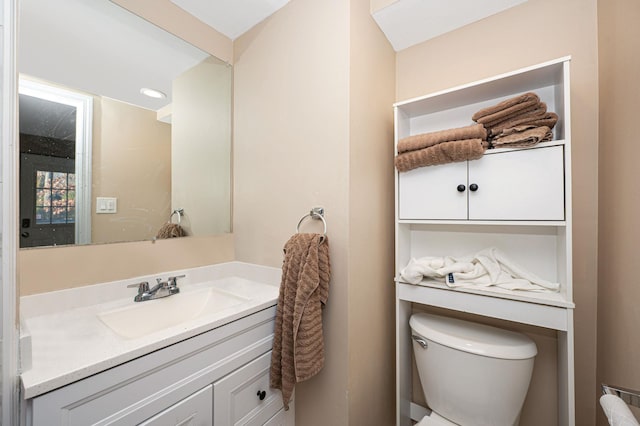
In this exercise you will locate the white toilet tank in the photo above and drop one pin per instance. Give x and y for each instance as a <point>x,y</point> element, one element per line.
<point>472,374</point>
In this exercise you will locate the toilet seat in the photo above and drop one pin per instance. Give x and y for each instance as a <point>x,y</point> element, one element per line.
<point>434,419</point>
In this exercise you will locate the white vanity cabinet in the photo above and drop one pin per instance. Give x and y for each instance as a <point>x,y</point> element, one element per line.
<point>182,384</point>
<point>517,200</point>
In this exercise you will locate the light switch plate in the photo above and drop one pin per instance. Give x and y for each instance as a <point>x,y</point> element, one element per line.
<point>106,205</point>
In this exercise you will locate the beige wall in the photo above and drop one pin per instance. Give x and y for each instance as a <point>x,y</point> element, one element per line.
<point>43,270</point>
<point>131,161</point>
<point>201,148</point>
<point>376,5</point>
<point>618,289</point>
<point>313,88</point>
<point>291,152</point>
<point>371,307</point>
<point>534,32</point>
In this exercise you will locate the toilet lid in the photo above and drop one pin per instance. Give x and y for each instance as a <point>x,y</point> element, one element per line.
<point>473,338</point>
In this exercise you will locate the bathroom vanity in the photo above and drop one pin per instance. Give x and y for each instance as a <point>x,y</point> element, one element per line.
<point>515,199</point>
<point>200,357</point>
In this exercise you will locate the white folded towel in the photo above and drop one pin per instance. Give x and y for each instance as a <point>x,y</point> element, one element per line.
<point>617,411</point>
<point>489,267</point>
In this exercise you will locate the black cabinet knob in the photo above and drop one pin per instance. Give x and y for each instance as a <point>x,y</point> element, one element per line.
<point>473,187</point>
<point>262,395</point>
<point>461,188</point>
<point>25,234</point>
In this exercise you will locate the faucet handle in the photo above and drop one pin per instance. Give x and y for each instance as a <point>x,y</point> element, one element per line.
<point>143,287</point>
<point>173,281</point>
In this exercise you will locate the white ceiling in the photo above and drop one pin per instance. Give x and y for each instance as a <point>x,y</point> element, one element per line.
<point>409,22</point>
<point>231,17</point>
<point>404,22</point>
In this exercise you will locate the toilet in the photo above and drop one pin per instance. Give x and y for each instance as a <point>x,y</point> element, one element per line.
<point>471,374</point>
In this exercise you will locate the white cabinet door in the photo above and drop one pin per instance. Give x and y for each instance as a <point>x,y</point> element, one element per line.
<point>513,185</point>
<point>195,410</point>
<point>283,418</point>
<point>518,185</point>
<point>432,192</point>
<point>244,396</point>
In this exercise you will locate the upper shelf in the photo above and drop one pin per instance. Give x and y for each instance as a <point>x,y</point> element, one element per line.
<point>526,79</point>
<point>454,107</point>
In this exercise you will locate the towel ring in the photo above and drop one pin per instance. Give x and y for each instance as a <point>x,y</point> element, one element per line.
<point>179,212</point>
<point>315,213</point>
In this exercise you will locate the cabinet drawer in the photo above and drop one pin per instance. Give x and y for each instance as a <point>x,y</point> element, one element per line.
<point>237,396</point>
<point>195,410</point>
<point>518,185</point>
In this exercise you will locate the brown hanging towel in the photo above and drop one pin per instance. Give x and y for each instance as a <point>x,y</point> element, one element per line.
<point>298,343</point>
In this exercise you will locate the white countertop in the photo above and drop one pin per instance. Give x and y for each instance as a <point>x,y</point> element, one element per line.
<point>69,342</point>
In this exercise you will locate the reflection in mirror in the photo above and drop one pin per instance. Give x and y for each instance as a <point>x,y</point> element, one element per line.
<point>100,161</point>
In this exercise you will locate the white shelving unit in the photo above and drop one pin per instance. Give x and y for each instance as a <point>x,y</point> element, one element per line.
<point>522,207</point>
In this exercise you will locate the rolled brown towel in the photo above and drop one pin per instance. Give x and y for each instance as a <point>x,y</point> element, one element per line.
<point>548,119</point>
<point>442,153</point>
<point>506,109</point>
<point>522,136</point>
<point>425,140</point>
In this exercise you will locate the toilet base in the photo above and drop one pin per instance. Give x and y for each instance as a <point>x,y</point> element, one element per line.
<point>434,419</point>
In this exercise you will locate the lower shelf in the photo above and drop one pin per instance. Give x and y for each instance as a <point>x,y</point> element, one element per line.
<point>551,312</point>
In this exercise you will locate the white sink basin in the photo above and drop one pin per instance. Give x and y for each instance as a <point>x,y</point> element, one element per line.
<point>142,318</point>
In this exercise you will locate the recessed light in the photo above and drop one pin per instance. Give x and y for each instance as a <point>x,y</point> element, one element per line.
<point>152,93</point>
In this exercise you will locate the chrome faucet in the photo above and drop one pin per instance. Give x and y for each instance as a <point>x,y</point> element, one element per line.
<point>161,289</point>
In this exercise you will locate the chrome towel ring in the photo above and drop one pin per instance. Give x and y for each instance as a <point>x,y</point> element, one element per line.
<point>315,213</point>
<point>179,212</point>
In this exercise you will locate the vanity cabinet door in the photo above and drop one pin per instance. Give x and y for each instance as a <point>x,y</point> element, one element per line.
<point>283,418</point>
<point>195,410</point>
<point>518,185</point>
<point>244,396</point>
<point>434,192</point>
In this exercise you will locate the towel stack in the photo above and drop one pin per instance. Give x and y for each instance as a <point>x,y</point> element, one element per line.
<point>521,121</point>
<point>444,146</point>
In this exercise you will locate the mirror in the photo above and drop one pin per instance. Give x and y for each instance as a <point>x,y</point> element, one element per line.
<point>101,161</point>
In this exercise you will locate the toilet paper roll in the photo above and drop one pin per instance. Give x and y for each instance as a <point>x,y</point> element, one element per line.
<point>617,411</point>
